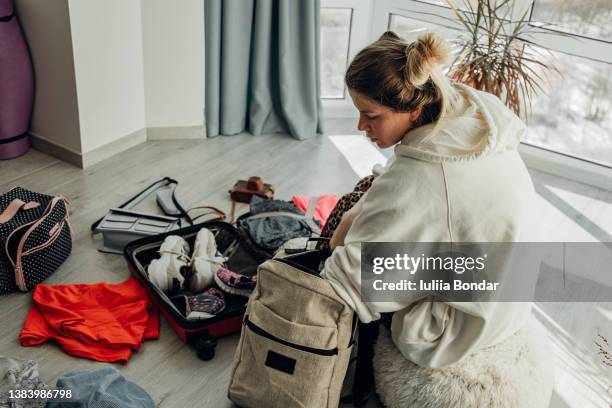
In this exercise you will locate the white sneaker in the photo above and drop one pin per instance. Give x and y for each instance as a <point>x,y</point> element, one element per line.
<point>165,272</point>
<point>205,261</point>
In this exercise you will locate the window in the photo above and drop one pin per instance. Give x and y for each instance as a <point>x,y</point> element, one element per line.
<point>575,116</point>
<point>335,34</point>
<point>407,28</point>
<point>589,18</point>
<point>345,29</point>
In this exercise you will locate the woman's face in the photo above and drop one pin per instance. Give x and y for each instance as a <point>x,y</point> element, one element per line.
<point>382,125</point>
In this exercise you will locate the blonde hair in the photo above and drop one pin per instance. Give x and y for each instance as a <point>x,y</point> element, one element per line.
<point>405,77</point>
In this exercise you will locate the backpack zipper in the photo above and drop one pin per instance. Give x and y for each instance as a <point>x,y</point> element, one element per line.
<point>259,331</point>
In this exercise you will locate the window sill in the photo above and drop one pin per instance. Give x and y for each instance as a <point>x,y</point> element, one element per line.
<point>562,165</point>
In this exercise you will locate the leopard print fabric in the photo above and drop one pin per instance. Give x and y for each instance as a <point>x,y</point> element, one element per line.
<point>344,204</point>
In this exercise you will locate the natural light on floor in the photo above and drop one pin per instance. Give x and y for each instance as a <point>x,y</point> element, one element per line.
<point>359,153</point>
<point>580,377</point>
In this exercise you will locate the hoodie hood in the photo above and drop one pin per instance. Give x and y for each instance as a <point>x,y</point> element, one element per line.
<point>478,125</point>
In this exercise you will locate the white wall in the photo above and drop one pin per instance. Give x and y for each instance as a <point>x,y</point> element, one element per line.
<point>107,47</point>
<point>173,52</point>
<point>107,69</point>
<point>46,26</point>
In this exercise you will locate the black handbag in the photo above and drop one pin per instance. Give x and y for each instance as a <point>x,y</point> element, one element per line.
<point>35,238</point>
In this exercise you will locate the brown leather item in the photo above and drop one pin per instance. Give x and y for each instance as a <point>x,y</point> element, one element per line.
<point>243,190</point>
<point>219,215</point>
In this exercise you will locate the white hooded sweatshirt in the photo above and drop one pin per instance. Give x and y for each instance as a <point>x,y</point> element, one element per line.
<point>460,181</point>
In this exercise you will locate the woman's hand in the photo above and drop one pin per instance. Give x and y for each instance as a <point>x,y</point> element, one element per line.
<point>345,224</point>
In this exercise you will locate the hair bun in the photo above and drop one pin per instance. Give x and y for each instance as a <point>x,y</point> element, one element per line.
<point>422,55</point>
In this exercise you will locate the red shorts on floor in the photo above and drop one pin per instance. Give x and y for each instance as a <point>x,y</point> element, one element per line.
<point>102,322</point>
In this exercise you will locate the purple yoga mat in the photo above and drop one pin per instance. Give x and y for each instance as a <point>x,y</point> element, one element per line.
<point>16,85</point>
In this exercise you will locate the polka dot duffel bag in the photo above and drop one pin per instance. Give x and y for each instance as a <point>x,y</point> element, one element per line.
<point>35,238</point>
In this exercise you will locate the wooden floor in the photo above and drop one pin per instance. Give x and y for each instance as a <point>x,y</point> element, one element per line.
<point>168,369</point>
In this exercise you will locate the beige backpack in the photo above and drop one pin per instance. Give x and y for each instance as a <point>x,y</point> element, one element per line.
<point>296,339</point>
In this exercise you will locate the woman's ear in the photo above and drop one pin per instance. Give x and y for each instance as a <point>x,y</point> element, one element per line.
<point>416,114</point>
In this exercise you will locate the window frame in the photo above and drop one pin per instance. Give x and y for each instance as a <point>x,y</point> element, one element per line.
<point>358,38</point>
<point>559,163</point>
<point>578,45</point>
<point>351,15</point>
<point>435,13</point>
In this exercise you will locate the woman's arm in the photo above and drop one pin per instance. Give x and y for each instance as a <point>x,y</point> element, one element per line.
<point>397,208</point>
<point>374,219</point>
<point>346,222</point>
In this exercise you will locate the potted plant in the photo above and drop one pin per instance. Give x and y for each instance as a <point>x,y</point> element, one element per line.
<point>496,54</point>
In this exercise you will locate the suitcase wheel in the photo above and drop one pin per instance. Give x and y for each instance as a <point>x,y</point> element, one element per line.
<point>205,346</point>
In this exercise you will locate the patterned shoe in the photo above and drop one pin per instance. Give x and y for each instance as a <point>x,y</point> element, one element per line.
<point>235,283</point>
<point>204,305</point>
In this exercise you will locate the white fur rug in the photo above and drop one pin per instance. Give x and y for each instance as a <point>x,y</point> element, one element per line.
<point>516,373</point>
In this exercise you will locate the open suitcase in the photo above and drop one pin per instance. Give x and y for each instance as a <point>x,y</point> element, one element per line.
<point>243,257</point>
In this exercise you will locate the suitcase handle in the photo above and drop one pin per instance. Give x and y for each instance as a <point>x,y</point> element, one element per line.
<point>144,193</point>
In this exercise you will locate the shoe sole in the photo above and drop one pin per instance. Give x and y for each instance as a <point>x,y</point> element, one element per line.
<point>234,291</point>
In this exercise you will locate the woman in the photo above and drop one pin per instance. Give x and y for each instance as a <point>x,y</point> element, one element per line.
<point>456,176</point>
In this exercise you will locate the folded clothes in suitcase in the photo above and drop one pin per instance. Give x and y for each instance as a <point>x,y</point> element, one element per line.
<point>242,256</point>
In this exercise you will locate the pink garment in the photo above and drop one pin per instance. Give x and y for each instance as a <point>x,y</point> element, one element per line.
<point>325,205</point>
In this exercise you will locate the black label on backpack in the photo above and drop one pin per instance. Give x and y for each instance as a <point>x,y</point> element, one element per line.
<point>280,362</point>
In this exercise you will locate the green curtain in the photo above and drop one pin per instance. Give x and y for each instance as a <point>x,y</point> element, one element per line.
<point>262,67</point>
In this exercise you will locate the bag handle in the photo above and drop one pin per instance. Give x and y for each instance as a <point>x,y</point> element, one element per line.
<point>220,215</point>
<point>133,201</point>
<point>14,207</point>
